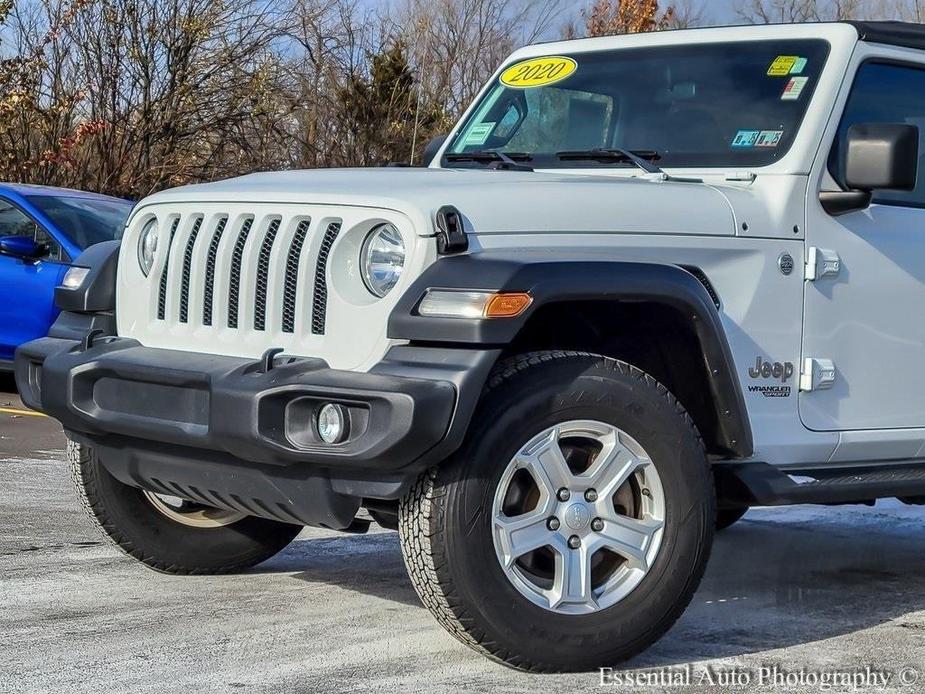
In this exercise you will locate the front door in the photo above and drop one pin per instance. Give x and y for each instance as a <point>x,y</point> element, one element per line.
<point>869,316</point>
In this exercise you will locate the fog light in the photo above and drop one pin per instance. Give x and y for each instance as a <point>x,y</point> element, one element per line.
<point>332,423</point>
<point>75,277</point>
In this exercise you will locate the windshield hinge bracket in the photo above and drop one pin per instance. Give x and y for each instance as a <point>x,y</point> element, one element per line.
<point>821,262</point>
<point>817,374</point>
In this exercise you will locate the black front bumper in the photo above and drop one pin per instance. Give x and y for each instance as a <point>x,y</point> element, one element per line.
<point>228,431</point>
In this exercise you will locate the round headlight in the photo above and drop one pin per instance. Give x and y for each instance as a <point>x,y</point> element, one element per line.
<point>382,258</point>
<point>147,246</point>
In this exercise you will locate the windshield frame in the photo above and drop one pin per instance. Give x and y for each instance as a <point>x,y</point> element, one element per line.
<point>493,90</point>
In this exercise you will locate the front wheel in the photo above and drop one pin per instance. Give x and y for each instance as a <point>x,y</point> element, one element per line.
<point>573,527</point>
<point>170,534</point>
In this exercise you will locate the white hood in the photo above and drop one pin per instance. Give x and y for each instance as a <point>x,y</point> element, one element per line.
<point>490,201</point>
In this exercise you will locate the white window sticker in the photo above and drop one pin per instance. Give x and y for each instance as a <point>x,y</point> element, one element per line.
<point>478,133</point>
<point>794,88</point>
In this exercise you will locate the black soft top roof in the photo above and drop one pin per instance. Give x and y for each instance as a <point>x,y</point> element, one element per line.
<point>904,34</point>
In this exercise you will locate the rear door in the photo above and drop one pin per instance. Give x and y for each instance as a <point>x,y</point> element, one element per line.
<point>26,287</point>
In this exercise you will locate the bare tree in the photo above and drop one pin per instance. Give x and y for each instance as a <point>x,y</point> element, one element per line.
<point>687,14</point>
<point>778,11</point>
<point>906,10</point>
<point>455,45</point>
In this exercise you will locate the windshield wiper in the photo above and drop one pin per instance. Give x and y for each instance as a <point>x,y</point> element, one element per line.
<point>499,160</point>
<point>637,158</point>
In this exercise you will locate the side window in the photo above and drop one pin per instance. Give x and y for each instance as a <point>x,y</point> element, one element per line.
<point>884,93</point>
<point>14,222</point>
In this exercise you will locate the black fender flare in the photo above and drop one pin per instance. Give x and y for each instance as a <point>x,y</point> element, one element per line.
<point>551,281</point>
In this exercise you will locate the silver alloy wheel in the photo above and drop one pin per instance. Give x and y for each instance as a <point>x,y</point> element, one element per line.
<point>192,514</point>
<point>578,517</point>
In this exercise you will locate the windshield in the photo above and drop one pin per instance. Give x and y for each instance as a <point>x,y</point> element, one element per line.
<point>707,105</point>
<point>85,221</point>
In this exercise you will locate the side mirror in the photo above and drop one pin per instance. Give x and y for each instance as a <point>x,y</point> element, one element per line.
<point>431,149</point>
<point>21,247</point>
<point>880,156</point>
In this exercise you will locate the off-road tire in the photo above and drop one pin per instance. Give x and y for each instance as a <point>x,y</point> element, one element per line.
<point>445,525</point>
<point>130,521</point>
<point>726,517</point>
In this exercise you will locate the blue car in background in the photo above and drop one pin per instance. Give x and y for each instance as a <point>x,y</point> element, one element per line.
<point>42,229</point>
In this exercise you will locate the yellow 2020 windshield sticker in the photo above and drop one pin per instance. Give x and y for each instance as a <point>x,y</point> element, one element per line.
<point>538,72</point>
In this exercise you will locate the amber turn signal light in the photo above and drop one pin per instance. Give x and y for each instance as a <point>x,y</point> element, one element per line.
<point>454,303</point>
<point>508,305</point>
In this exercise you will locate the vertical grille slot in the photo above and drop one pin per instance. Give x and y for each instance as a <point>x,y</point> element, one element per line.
<point>292,276</point>
<point>209,287</point>
<point>162,289</point>
<point>320,298</point>
<point>263,271</point>
<point>234,281</point>
<point>184,277</point>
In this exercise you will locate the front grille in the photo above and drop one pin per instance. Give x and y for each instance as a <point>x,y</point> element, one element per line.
<point>209,288</point>
<point>162,287</point>
<point>234,283</point>
<point>292,276</point>
<point>263,270</point>
<point>184,281</point>
<point>267,282</point>
<point>320,301</point>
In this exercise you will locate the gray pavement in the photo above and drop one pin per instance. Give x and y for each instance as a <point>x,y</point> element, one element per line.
<point>815,589</point>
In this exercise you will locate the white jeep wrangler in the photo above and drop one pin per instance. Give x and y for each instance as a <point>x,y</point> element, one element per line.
<point>646,282</point>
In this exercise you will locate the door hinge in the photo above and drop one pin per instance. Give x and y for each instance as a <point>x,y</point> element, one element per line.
<point>821,262</point>
<point>817,374</point>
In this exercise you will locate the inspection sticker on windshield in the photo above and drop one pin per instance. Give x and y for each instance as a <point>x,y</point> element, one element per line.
<point>746,138</point>
<point>478,133</point>
<point>757,138</point>
<point>538,72</point>
<point>794,88</point>
<point>785,64</point>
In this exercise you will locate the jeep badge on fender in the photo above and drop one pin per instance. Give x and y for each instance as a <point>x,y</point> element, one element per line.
<point>535,357</point>
<point>764,369</point>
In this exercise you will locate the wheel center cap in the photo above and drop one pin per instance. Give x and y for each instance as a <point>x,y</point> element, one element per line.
<point>577,516</point>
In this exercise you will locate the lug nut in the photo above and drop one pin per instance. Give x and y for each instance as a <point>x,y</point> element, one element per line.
<point>574,542</point>
<point>563,494</point>
<point>553,523</point>
<point>597,525</point>
<point>591,495</point>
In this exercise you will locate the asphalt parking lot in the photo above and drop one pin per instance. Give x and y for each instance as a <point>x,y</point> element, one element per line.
<point>817,589</point>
